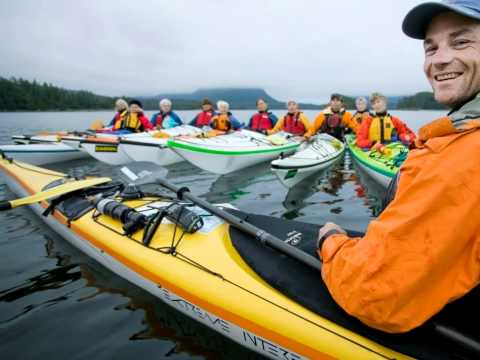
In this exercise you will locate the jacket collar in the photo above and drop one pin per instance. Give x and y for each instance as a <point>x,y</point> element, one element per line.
<point>434,135</point>
<point>470,110</point>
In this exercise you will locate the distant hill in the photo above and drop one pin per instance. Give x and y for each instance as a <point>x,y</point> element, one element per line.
<point>18,94</point>
<point>420,101</point>
<point>238,98</point>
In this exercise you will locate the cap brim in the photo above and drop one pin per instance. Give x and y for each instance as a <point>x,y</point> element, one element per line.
<point>417,20</point>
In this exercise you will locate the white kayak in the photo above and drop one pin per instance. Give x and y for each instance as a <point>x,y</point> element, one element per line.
<point>42,153</point>
<point>320,153</point>
<point>105,149</point>
<point>224,154</point>
<point>154,149</point>
<point>35,139</point>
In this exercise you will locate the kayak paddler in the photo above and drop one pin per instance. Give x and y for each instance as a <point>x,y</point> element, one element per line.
<point>361,110</point>
<point>294,122</point>
<point>121,109</point>
<point>333,120</point>
<point>165,118</point>
<point>224,120</point>
<point>263,120</point>
<point>423,251</point>
<point>382,128</point>
<point>134,120</point>
<point>204,117</point>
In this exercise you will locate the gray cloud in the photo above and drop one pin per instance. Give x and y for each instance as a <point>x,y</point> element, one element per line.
<point>301,49</point>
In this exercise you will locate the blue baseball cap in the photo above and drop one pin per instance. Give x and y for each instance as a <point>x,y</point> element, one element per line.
<point>417,20</point>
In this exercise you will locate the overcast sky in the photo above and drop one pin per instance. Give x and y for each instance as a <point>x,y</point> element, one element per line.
<point>301,49</point>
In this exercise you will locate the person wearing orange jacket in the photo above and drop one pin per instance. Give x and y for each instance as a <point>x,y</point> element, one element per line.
<point>423,251</point>
<point>382,128</point>
<point>333,120</point>
<point>294,122</point>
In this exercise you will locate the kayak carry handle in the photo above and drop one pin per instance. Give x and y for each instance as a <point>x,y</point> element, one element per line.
<point>259,234</point>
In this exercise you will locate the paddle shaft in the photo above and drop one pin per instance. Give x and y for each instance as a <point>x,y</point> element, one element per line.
<point>259,234</point>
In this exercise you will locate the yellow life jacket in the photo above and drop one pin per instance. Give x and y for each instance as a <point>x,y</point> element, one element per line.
<point>381,129</point>
<point>119,118</point>
<point>221,122</point>
<point>130,121</point>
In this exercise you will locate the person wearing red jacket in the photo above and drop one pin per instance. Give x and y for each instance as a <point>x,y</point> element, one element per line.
<point>382,128</point>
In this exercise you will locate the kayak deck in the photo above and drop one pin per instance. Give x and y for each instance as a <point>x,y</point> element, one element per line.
<point>384,165</point>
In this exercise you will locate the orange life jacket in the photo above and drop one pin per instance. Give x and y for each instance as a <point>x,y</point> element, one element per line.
<point>221,122</point>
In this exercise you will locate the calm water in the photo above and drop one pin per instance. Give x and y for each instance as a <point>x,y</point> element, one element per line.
<point>56,303</point>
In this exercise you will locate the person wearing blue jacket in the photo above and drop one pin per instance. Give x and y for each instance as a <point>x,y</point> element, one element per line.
<point>165,118</point>
<point>223,120</point>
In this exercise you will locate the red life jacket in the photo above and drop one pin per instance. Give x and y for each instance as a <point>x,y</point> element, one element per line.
<point>261,121</point>
<point>203,119</point>
<point>293,125</point>
<point>332,125</point>
<point>159,119</point>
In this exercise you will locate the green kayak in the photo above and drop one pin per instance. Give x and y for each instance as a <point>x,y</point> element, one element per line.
<point>381,167</point>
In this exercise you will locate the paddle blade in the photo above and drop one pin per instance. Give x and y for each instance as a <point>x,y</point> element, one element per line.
<point>56,191</point>
<point>143,172</point>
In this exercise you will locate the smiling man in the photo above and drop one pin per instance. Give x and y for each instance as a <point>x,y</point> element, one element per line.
<point>423,251</point>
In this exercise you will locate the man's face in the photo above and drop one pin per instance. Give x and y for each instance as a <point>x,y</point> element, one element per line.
<point>379,105</point>
<point>207,107</point>
<point>452,58</point>
<point>336,105</point>
<point>134,108</point>
<point>292,107</point>
<point>361,105</point>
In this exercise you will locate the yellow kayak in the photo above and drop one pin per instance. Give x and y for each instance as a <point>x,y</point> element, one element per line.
<point>209,276</point>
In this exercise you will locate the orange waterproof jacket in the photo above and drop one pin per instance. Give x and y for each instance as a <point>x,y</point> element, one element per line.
<point>405,135</point>
<point>423,251</point>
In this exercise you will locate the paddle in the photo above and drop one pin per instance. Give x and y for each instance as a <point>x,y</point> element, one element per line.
<point>53,192</point>
<point>259,234</point>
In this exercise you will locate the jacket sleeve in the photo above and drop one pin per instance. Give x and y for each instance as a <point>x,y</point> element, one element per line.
<point>362,134</point>
<point>249,126</point>
<point>112,122</point>
<point>153,119</point>
<point>278,126</point>
<point>177,118</point>
<point>273,119</point>
<point>316,125</point>
<point>193,121</point>
<point>236,124</point>
<point>349,121</point>
<point>420,254</point>
<point>146,124</point>
<point>406,135</point>
<point>306,123</point>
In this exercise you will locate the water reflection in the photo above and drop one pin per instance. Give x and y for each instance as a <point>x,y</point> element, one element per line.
<point>231,187</point>
<point>368,189</point>
<point>79,279</point>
